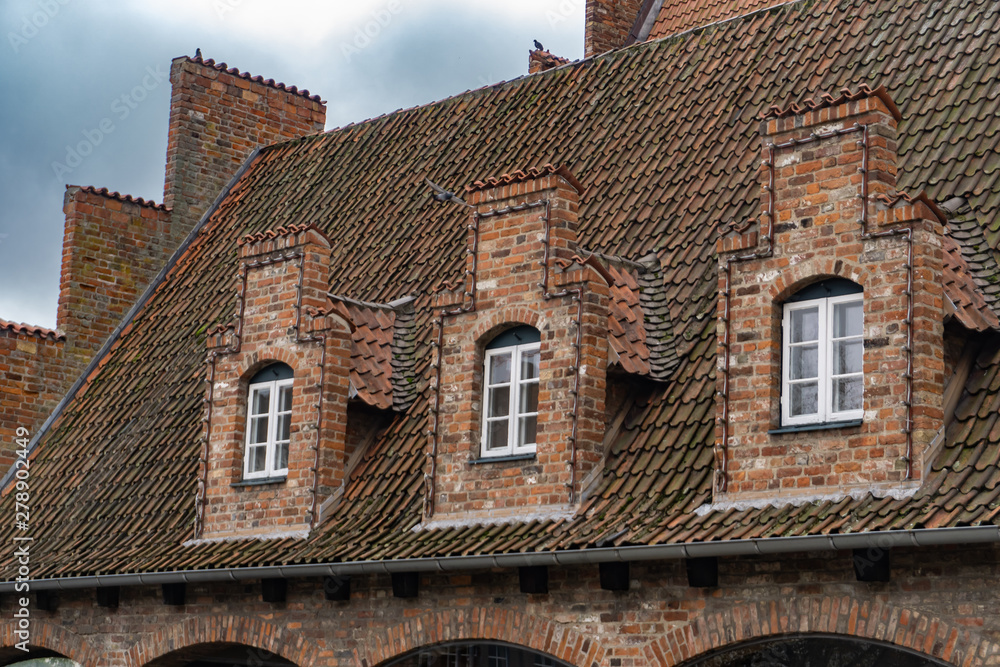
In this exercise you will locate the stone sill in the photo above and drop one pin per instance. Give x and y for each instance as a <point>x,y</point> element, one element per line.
<point>263,481</point>
<point>814,427</point>
<point>502,459</point>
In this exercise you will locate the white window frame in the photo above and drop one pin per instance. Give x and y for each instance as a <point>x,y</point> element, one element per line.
<point>825,413</point>
<point>272,443</point>
<point>513,416</point>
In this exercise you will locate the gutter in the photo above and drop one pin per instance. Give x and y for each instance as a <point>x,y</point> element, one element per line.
<point>927,537</point>
<point>132,312</point>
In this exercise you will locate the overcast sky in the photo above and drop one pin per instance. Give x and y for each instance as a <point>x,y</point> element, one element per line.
<point>65,66</point>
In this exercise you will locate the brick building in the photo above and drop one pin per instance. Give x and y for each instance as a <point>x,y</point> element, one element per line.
<point>699,365</point>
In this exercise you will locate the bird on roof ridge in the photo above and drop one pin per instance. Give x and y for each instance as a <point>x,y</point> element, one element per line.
<point>538,46</point>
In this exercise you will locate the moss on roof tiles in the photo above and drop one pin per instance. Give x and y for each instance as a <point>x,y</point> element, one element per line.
<point>664,135</point>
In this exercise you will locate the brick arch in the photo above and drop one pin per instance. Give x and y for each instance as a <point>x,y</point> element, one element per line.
<point>836,615</point>
<point>799,275</point>
<point>484,624</point>
<point>230,629</point>
<point>491,323</point>
<point>252,362</point>
<point>52,637</point>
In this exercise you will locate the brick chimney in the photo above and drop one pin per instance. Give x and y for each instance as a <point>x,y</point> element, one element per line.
<point>217,117</point>
<point>114,245</point>
<point>608,23</point>
<point>840,235</point>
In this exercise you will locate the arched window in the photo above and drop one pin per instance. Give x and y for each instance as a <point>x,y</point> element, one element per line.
<point>269,420</point>
<point>823,354</point>
<point>510,396</point>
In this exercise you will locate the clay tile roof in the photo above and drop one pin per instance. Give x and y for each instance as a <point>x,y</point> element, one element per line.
<point>827,100</point>
<point>29,330</point>
<point>544,60</point>
<point>249,77</point>
<point>667,134</point>
<point>279,232</point>
<point>965,301</point>
<point>104,192</point>
<point>677,16</point>
<point>522,175</point>
<point>904,199</point>
<point>639,328</point>
<point>381,358</point>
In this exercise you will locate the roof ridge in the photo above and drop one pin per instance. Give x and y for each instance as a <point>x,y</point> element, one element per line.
<point>104,192</point>
<point>31,330</point>
<point>827,100</point>
<point>270,83</point>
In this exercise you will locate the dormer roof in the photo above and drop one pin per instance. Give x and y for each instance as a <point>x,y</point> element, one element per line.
<point>663,135</point>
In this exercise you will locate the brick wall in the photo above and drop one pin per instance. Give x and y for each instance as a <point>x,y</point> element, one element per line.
<point>217,117</point>
<point>275,269</point>
<point>608,23</point>
<point>939,603</point>
<point>32,379</point>
<point>818,234</point>
<point>115,245</point>
<point>509,272</point>
<point>112,250</point>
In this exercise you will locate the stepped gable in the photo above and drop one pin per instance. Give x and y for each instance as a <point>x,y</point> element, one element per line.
<point>666,134</point>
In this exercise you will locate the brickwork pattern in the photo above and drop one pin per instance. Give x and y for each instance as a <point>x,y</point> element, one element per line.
<point>508,266</point>
<point>281,276</point>
<point>112,251</point>
<point>818,234</point>
<point>608,23</point>
<point>939,604</point>
<point>217,118</point>
<point>32,380</point>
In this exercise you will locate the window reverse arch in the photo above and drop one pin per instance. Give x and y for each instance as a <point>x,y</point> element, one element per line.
<point>269,421</point>
<point>823,354</point>
<point>510,393</point>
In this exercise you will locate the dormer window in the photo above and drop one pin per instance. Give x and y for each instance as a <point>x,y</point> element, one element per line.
<point>510,398</point>
<point>269,419</point>
<point>823,352</point>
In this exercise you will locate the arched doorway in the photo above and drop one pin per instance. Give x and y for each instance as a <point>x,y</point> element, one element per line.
<point>219,654</point>
<point>474,654</point>
<point>814,651</point>
<point>38,657</point>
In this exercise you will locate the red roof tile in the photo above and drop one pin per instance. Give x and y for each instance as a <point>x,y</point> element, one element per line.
<point>522,175</point>
<point>29,330</point>
<point>677,16</point>
<point>827,100</point>
<point>665,134</point>
<point>249,77</point>
<point>965,301</point>
<point>104,192</point>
